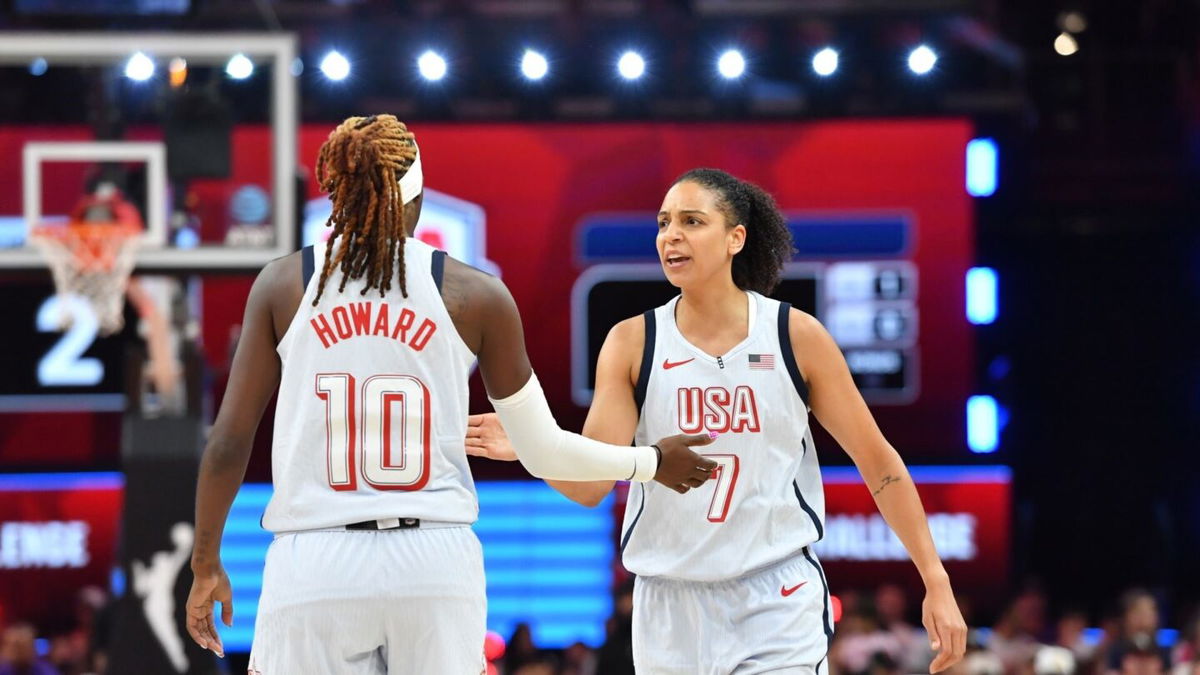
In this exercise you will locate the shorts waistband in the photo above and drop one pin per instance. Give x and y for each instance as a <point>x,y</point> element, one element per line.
<point>383,525</point>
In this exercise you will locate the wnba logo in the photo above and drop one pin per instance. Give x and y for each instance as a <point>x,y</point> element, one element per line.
<point>714,409</point>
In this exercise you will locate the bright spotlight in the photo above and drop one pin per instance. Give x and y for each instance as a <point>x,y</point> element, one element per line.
<point>731,64</point>
<point>533,65</point>
<point>239,67</point>
<point>1066,44</point>
<point>139,67</point>
<point>335,66</point>
<point>922,60</point>
<point>431,65</point>
<point>38,67</point>
<point>631,65</point>
<point>825,62</point>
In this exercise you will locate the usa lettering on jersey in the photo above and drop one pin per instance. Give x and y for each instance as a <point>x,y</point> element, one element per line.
<point>356,319</point>
<point>715,409</point>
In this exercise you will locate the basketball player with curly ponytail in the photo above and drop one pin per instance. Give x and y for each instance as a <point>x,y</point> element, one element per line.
<point>727,581</point>
<point>374,567</point>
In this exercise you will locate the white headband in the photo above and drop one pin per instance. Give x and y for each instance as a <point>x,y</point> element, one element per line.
<point>413,180</point>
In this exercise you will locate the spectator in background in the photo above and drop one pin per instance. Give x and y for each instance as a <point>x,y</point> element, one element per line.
<point>891,606</point>
<point>1141,656</point>
<point>862,645</point>
<point>578,659</point>
<point>1069,635</point>
<point>521,649</point>
<point>1138,635</point>
<point>616,656</point>
<point>18,653</point>
<point>1015,637</point>
<point>1187,652</point>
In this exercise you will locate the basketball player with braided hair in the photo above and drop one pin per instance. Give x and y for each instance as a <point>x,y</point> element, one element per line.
<point>374,567</point>
<point>727,580</point>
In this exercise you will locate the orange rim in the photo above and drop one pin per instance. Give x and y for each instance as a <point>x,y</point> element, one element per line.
<point>94,245</point>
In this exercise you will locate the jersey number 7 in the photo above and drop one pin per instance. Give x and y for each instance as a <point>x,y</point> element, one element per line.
<point>392,410</point>
<point>725,476</point>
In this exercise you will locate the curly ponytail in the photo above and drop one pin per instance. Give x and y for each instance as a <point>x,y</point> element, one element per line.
<point>768,240</point>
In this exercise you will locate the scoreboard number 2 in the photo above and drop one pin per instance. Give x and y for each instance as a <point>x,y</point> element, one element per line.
<point>64,365</point>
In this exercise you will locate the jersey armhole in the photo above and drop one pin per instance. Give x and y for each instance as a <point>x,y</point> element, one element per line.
<point>643,380</point>
<point>437,267</point>
<point>789,355</point>
<point>307,265</point>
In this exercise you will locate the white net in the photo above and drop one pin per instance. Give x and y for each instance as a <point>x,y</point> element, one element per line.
<point>92,261</point>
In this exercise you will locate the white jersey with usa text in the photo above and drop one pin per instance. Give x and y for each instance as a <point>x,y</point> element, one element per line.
<point>372,409</point>
<point>766,502</point>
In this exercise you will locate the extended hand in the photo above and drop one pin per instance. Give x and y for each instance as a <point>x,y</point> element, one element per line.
<point>680,468</point>
<point>486,438</point>
<point>944,623</point>
<point>208,589</point>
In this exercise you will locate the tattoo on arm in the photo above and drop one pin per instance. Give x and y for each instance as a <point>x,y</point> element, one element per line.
<point>887,480</point>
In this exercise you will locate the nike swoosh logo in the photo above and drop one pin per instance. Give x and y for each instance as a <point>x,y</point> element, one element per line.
<point>785,591</point>
<point>667,365</point>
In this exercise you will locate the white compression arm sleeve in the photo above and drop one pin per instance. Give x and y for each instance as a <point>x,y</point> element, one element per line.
<point>548,451</point>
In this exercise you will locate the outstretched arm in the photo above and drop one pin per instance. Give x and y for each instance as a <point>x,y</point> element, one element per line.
<point>255,375</point>
<point>613,416</point>
<point>839,407</point>
<point>542,446</point>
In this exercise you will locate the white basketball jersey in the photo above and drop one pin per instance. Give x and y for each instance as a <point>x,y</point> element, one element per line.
<point>766,502</point>
<point>372,410</point>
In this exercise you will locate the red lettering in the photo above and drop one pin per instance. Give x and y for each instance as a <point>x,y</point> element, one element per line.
<point>421,337</point>
<point>716,417</point>
<point>360,314</point>
<point>341,321</point>
<point>745,411</point>
<point>381,321</point>
<point>324,331</point>
<point>690,419</point>
<point>403,324</point>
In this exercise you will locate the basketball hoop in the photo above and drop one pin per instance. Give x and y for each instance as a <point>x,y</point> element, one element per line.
<point>92,261</point>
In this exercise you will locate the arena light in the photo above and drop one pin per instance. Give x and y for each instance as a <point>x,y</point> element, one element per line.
<point>982,295</point>
<point>731,64</point>
<point>534,65</point>
<point>177,72</point>
<point>1066,44</point>
<point>239,67</point>
<point>139,67</point>
<point>631,65</point>
<point>922,60</point>
<point>297,67</point>
<point>983,424</point>
<point>38,67</point>
<point>432,66</point>
<point>982,166</point>
<point>335,66</point>
<point>825,62</point>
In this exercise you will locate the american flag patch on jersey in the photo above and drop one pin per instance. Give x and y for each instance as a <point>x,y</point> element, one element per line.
<point>762,362</point>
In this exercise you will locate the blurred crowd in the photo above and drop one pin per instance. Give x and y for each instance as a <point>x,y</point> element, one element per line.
<point>78,648</point>
<point>878,633</point>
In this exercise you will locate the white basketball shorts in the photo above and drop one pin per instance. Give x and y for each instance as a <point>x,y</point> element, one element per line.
<point>776,620</point>
<point>398,602</point>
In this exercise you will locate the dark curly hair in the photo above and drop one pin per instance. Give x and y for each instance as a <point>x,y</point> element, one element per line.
<point>768,240</point>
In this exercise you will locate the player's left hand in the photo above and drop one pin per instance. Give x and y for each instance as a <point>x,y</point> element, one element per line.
<point>944,623</point>
<point>486,438</point>
<point>209,588</point>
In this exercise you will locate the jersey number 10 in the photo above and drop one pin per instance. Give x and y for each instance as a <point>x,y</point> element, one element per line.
<point>361,435</point>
